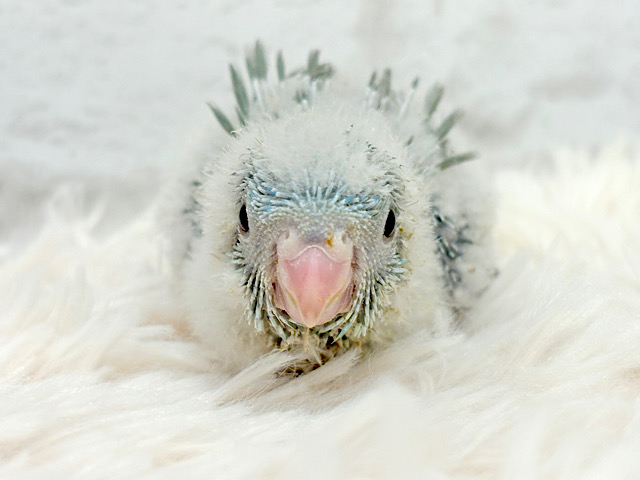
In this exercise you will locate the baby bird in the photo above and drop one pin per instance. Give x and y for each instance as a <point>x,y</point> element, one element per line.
<point>330,218</point>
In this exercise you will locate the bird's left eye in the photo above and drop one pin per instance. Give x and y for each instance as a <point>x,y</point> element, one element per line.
<point>390,224</point>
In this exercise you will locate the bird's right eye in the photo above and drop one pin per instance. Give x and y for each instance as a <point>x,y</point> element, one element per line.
<point>243,219</point>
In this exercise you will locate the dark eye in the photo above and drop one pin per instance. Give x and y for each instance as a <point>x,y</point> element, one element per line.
<point>390,224</point>
<point>243,218</point>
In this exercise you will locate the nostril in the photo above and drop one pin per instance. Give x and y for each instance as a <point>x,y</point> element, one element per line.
<point>343,237</point>
<point>329,240</point>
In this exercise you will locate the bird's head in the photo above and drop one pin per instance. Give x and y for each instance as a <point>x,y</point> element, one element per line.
<point>318,225</point>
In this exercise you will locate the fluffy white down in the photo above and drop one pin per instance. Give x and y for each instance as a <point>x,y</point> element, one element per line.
<point>101,380</point>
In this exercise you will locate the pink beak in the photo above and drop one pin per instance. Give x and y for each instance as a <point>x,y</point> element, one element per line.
<point>314,280</point>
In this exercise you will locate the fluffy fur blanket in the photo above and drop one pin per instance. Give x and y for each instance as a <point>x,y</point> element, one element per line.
<point>100,378</point>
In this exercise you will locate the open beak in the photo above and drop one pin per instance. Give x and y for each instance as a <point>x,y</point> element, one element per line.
<point>314,280</point>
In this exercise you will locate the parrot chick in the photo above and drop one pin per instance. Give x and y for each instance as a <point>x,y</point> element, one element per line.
<point>330,218</point>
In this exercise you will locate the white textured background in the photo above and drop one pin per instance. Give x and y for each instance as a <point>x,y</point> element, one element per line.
<point>108,92</point>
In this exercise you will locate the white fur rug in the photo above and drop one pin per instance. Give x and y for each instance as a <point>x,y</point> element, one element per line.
<point>100,379</point>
